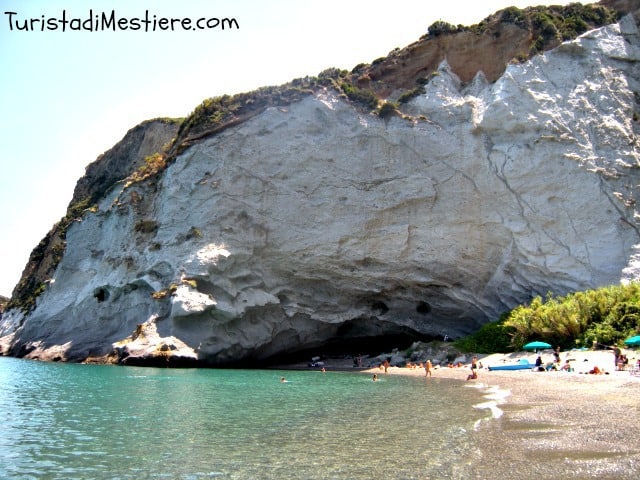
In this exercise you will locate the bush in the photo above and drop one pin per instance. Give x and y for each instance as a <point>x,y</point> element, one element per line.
<point>152,164</point>
<point>411,94</point>
<point>441,28</point>
<point>360,95</point>
<point>387,109</point>
<point>514,15</point>
<point>606,315</point>
<point>491,338</point>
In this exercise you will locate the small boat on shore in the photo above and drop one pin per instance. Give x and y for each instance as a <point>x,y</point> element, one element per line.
<point>523,364</point>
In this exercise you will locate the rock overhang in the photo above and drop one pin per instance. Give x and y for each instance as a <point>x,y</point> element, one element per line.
<point>318,224</point>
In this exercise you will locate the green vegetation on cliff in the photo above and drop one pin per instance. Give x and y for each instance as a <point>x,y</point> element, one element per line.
<point>217,113</point>
<point>548,25</point>
<point>605,316</point>
<point>44,259</point>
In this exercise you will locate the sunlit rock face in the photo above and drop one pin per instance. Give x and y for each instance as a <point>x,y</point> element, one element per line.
<point>316,225</point>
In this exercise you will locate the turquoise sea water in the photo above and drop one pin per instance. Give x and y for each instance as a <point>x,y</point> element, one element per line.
<point>67,421</point>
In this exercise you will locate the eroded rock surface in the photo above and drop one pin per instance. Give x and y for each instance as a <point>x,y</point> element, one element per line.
<point>317,224</point>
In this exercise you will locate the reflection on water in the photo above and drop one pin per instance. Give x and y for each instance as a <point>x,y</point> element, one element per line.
<point>60,421</point>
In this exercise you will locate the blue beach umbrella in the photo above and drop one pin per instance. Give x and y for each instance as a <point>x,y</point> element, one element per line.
<point>536,346</point>
<point>633,341</point>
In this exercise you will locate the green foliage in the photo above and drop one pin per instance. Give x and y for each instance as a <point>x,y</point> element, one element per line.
<point>358,68</point>
<point>491,338</point>
<point>566,22</point>
<point>543,21</point>
<point>573,27</point>
<point>333,74</point>
<point>153,164</point>
<point>360,95</point>
<point>45,257</point>
<point>607,315</point>
<point>217,112</point>
<point>25,294</point>
<point>387,109</point>
<point>439,27</point>
<point>551,24</point>
<point>554,22</point>
<point>514,15</point>
<point>411,94</point>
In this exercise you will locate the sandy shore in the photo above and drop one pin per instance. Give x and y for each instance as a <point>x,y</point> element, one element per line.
<point>550,425</point>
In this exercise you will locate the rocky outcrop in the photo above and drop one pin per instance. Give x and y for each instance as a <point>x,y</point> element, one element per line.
<point>319,225</point>
<point>125,158</point>
<point>510,35</point>
<point>115,165</point>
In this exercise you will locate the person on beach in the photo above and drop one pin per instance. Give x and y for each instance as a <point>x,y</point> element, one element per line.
<point>474,363</point>
<point>473,375</point>
<point>539,366</point>
<point>427,368</point>
<point>556,354</point>
<point>386,366</point>
<point>550,366</point>
<point>616,356</point>
<point>623,361</point>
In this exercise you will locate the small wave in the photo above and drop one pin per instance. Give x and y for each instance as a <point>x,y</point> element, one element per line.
<point>476,385</point>
<point>495,396</point>
<point>498,394</point>
<point>493,406</point>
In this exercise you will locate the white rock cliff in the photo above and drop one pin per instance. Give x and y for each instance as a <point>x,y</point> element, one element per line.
<point>315,225</point>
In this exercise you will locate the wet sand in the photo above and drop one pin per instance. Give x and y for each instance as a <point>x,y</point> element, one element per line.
<point>552,425</point>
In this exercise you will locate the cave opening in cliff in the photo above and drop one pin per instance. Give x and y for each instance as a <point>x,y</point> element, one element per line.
<point>369,337</point>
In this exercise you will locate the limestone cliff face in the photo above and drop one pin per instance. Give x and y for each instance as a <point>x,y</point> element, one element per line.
<point>317,224</point>
<point>109,168</point>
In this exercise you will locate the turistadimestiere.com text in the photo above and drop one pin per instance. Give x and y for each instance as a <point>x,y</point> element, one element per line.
<point>111,21</point>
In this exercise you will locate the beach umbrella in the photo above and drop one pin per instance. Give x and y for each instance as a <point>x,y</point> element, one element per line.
<point>536,345</point>
<point>633,341</point>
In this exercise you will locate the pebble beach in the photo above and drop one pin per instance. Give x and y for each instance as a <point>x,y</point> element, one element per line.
<point>551,424</point>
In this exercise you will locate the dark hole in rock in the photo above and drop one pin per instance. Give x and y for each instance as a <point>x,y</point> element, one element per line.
<point>101,294</point>
<point>423,308</point>
<point>380,308</point>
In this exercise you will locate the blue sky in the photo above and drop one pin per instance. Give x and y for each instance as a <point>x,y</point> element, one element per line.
<point>66,97</point>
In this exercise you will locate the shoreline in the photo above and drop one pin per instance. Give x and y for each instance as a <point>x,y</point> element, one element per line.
<point>547,425</point>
